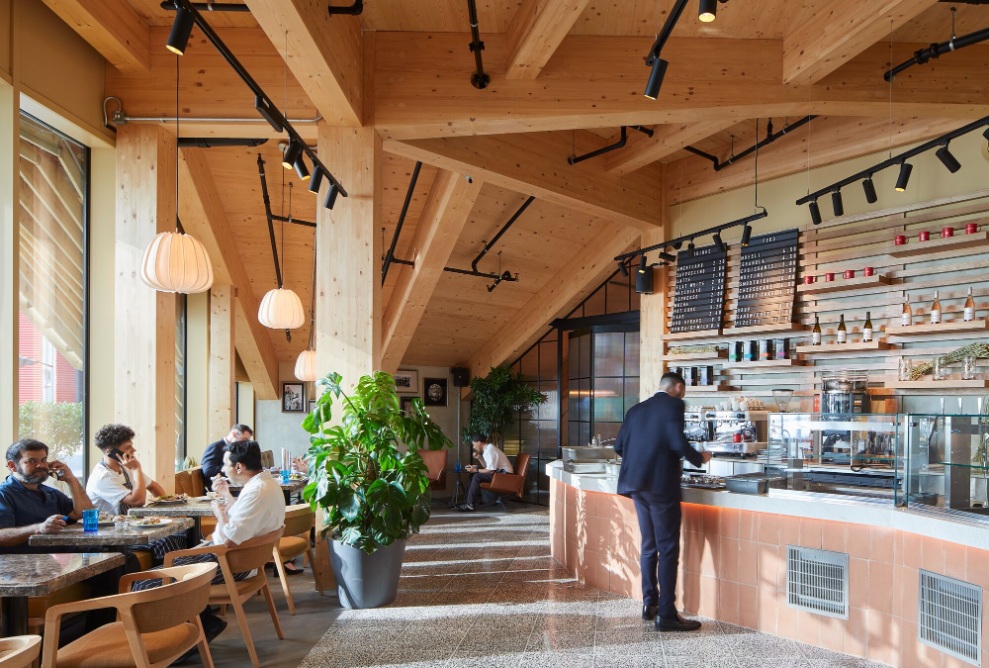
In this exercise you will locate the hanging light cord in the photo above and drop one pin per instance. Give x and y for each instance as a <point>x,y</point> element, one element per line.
<point>176,143</point>
<point>755,202</point>
<point>312,297</point>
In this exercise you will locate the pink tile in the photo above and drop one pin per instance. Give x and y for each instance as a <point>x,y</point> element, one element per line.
<point>689,592</point>
<point>748,563</point>
<point>746,525</point>
<point>691,551</point>
<point>786,621</point>
<point>729,559</point>
<point>710,556</point>
<point>769,602</point>
<point>748,607</point>
<point>708,599</point>
<point>880,587</point>
<point>781,560</point>
<point>728,601</point>
<point>909,590</point>
<point>857,540</point>
<point>912,550</point>
<point>833,536</point>
<point>884,639</point>
<point>881,545</point>
<point>729,523</point>
<point>768,528</point>
<point>809,628</point>
<point>975,567</point>
<point>955,561</point>
<point>933,558</point>
<point>833,634</point>
<point>767,564</point>
<point>856,633</point>
<point>895,601</point>
<point>858,582</point>
<point>712,521</point>
<point>811,533</point>
<point>789,530</point>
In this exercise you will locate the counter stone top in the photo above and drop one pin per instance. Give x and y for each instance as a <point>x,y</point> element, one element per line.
<point>41,574</point>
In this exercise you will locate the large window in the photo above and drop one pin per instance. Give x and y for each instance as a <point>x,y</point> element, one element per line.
<point>54,189</point>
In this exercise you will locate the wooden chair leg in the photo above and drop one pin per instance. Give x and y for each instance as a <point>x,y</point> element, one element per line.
<point>311,560</point>
<point>274,613</point>
<point>282,575</point>
<point>245,630</point>
<point>204,653</point>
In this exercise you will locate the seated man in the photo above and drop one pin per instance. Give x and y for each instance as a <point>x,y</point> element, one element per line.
<point>494,461</point>
<point>118,483</point>
<point>212,463</point>
<point>27,506</point>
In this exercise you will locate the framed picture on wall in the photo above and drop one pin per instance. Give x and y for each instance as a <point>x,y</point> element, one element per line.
<point>293,397</point>
<point>407,381</point>
<point>406,404</point>
<point>434,391</point>
<point>312,405</point>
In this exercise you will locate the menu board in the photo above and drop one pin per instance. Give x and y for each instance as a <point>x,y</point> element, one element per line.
<point>699,293</point>
<point>767,280</point>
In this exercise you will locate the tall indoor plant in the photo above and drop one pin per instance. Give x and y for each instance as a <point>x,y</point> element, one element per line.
<point>498,398</point>
<point>374,493</point>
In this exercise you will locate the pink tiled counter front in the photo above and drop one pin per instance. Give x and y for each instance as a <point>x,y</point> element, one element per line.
<point>733,568</point>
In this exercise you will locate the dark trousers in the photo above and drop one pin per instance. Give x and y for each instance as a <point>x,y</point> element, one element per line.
<point>474,490</point>
<point>659,524</point>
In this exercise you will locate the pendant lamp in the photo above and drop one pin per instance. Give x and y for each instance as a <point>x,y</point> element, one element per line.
<point>174,261</point>
<point>305,365</point>
<point>281,308</point>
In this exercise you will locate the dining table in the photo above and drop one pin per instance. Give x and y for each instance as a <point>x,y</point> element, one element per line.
<point>288,489</point>
<point>108,537</point>
<point>194,508</point>
<point>25,575</point>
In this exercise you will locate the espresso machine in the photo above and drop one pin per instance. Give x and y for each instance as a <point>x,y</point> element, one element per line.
<point>843,393</point>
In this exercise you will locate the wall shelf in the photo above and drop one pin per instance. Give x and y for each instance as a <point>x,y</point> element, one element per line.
<point>712,355</point>
<point>755,364</point>
<point>950,327</point>
<point>949,384</point>
<point>699,334</point>
<point>822,287</point>
<point>764,329</point>
<point>720,387</point>
<point>913,247</point>
<point>875,344</point>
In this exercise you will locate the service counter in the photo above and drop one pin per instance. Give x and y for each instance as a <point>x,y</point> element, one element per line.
<point>735,553</point>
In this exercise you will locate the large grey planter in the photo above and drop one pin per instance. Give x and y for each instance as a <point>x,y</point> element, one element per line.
<point>366,580</point>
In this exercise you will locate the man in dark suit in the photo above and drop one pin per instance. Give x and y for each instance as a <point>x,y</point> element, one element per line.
<point>651,443</point>
<point>212,463</point>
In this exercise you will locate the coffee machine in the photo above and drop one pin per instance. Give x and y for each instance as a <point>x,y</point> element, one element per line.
<point>843,393</point>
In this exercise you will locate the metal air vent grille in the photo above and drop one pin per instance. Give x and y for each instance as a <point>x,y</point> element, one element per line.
<point>817,581</point>
<point>950,616</point>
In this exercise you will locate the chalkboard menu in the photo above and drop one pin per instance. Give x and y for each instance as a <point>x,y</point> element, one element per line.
<point>767,280</point>
<point>699,294</point>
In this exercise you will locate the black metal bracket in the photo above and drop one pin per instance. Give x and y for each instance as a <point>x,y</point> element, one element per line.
<point>922,56</point>
<point>769,139</point>
<point>478,79</point>
<point>574,159</point>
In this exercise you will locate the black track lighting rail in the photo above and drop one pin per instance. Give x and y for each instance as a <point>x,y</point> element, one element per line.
<point>264,104</point>
<point>497,278</point>
<point>933,51</point>
<point>390,256</point>
<point>574,159</point>
<point>294,221</point>
<point>511,221</point>
<point>480,78</point>
<point>209,6</point>
<point>216,142</point>
<point>353,10</point>
<point>768,139</point>
<point>899,159</point>
<point>271,224</point>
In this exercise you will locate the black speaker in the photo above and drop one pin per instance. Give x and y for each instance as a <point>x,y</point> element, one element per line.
<point>643,281</point>
<point>461,376</point>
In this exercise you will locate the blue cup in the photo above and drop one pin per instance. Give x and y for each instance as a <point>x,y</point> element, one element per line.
<point>285,474</point>
<point>90,520</point>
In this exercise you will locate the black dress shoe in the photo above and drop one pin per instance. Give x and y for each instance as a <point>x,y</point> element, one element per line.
<point>649,612</point>
<point>465,507</point>
<point>677,623</point>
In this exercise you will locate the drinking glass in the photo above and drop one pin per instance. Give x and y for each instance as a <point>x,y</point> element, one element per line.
<point>940,368</point>
<point>968,367</point>
<point>906,366</point>
<point>285,474</point>
<point>90,520</point>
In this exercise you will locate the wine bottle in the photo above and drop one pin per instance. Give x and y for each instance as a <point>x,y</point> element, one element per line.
<point>815,335</point>
<point>907,316</point>
<point>842,332</point>
<point>969,307</point>
<point>936,309</point>
<point>867,328</point>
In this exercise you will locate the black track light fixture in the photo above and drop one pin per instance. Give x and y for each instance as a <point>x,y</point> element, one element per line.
<point>986,134</point>
<point>669,257</point>
<point>949,161</point>
<point>678,244</point>
<point>839,206</point>
<point>178,38</point>
<point>291,154</point>
<point>815,212</point>
<point>265,108</point>
<point>870,191</point>
<point>904,178</point>
<point>746,235</point>
<point>642,263</point>
<point>691,246</point>
<point>331,196</point>
<point>656,78</point>
<point>300,167</point>
<point>719,243</point>
<point>623,269</point>
<point>316,180</point>
<point>707,10</point>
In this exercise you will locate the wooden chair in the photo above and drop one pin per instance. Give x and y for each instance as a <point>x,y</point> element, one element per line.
<point>155,627</point>
<point>19,651</point>
<point>299,520</point>
<point>435,461</point>
<point>267,458</point>
<point>250,555</point>
<point>183,483</point>
<point>505,485</point>
<point>197,487</point>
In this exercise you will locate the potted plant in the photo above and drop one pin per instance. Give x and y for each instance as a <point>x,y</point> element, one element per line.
<point>498,399</point>
<point>374,493</point>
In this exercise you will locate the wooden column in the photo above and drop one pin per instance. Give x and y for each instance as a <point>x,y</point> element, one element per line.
<point>652,312</point>
<point>222,360</point>
<point>9,261</point>
<point>145,319</point>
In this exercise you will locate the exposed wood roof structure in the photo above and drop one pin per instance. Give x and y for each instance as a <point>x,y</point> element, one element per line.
<point>565,75</point>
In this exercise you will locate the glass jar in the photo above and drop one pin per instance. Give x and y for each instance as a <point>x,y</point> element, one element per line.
<point>906,366</point>
<point>940,368</point>
<point>968,367</point>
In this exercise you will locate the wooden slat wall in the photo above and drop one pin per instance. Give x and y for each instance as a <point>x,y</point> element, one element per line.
<point>855,242</point>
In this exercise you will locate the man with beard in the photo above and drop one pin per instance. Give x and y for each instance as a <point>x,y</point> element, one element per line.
<point>27,506</point>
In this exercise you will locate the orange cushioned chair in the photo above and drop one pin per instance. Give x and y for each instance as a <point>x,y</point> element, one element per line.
<point>156,626</point>
<point>299,520</point>
<point>19,651</point>
<point>504,485</point>
<point>197,488</point>
<point>435,461</point>
<point>250,555</point>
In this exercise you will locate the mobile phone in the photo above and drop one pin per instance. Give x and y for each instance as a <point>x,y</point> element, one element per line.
<point>117,454</point>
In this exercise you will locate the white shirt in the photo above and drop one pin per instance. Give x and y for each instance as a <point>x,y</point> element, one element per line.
<point>495,459</point>
<point>259,509</point>
<point>106,489</point>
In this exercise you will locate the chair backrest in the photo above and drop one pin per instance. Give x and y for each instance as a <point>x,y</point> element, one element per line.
<point>178,601</point>
<point>254,553</point>
<point>267,458</point>
<point>521,465</point>
<point>19,651</point>
<point>299,519</point>
<point>183,483</point>
<point>197,487</point>
<point>435,461</point>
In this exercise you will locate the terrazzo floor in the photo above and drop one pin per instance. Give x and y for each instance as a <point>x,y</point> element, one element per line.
<point>481,590</point>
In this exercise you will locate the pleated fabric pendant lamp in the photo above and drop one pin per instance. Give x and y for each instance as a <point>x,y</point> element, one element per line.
<point>174,261</point>
<point>305,365</point>
<point>281,308</point>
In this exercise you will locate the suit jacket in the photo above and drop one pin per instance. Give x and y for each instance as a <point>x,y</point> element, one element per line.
<point>651,442</point>
<point>212,463</point>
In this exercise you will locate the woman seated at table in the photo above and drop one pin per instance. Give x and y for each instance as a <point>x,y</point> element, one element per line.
<point>118,483</point>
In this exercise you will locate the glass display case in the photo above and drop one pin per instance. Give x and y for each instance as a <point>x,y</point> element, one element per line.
<point>852,454</point>
<point>947,465</point>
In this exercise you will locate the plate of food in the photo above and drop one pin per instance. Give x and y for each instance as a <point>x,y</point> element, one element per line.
<point>107,520</point>
<point>149,522</point>
<point>168,499</point>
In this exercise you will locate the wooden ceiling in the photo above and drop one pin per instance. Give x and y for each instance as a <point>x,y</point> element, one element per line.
<point>565,74</point>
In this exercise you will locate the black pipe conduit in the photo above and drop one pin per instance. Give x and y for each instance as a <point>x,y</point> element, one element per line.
<point>478,79</point>
<point>511,221</point>
<point>390,257</point>
<point>271,225</point>
<point>770,138</point>
<point>211,142</point>
<point>935,50</point>
<point>354,10</point>
<point>209,6</point>
<point>574,159</point>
